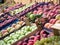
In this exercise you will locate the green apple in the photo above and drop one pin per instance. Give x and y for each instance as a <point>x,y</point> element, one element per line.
<point>32,16</point>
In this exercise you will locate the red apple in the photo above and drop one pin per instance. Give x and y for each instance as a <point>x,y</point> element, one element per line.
<point>48,25</point>
<point>24,43</point>
<point>52,21</point>
<point>35,12</point>
<point>30,43</point>
<point>19,43</point>
<point>42,32</point>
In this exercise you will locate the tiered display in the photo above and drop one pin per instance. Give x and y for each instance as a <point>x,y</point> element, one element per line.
<point>35,22</point>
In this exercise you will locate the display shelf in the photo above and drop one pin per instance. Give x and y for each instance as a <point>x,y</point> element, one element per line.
<point>27,36</point>
<point>1,38</point>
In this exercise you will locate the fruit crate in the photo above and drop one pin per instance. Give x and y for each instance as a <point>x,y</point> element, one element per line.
<point>27,36</point>
<point>17,11</point>
<point>27,2</point>
<point>3,16</point>
<point>16,6</point>
<point>1,38</point>
<point>29,9</point>
<point>19,32</point>
<point>32,37</point>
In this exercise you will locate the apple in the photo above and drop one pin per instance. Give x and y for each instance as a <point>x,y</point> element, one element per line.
<point>30,43</point>
<point>24,43</point>
<point>48,25</point>
<point>35,12</point>
<point>52,21</point>
<point>19,43</point>
<point>32,16</point>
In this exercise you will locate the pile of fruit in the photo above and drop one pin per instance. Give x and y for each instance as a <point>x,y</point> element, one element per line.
<point>13,7</point>
<point>12,28</point>
<point>39,15</point>
<point>55,40</point>
<point>48,17</point>
<point>18,35</point>
<point>32,39</point>
<point>18,10</point>
<point>6,19</point>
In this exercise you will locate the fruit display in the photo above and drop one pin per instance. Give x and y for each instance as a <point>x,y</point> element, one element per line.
<point>41,11</point>
<point>48,12</point>
<point>18,34</point>
<point>40,17</point>
<point>16,6</point>
<point>48,16</point>
<point>6,19</point>
<point>55,40</point>
<point>18,10</point>
<point>32,17</point>
<point>12,28</point>
<point>32,39</point>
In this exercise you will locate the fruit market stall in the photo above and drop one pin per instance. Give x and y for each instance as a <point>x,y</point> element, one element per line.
<point>36,23</point>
